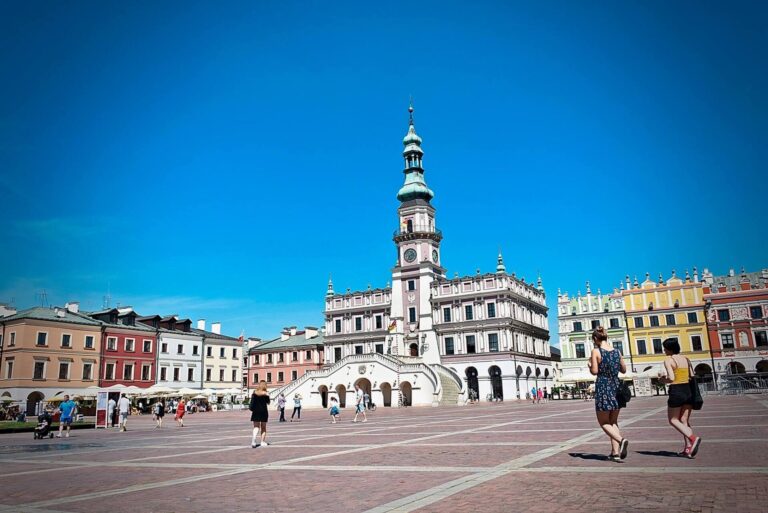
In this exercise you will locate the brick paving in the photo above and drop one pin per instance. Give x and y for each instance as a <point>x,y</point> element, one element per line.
<point>491,457</point>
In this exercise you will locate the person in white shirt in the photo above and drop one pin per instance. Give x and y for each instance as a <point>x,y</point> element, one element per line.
<point>359,404</point>
<point>124,406</point>
<point>111,412</point>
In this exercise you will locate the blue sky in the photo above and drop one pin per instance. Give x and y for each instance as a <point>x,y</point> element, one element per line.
<point>220,160</point>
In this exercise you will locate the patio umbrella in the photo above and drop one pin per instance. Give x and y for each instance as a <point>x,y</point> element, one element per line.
<point>187,391</point>
<point>158,390</point>
<point>200,396</point>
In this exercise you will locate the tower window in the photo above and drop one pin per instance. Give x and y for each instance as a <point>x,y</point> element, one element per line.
<point>468,313</point>
<point>411,284</point>
<point>411,314</point>
<point>409,226</point>
<point>447,314</point>
<point>471,348</point>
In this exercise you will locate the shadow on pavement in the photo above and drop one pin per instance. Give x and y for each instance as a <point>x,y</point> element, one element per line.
<point>668,454</point>
<point>588,456</point>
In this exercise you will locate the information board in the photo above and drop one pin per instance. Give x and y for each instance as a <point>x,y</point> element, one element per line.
<point>642,387</point>
<point>102,399</point>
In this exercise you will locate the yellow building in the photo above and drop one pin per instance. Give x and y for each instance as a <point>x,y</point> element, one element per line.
<point>665,309</point>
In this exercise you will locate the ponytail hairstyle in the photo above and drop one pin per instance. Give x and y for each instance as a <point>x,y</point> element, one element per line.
<point>599,335</point>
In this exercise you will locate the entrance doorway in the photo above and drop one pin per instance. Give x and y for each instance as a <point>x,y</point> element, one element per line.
<point>496,387</point>
<point>472,384</point>
<point>341,391</point>
<point>323,395</point>
<point>736,368</point>
<point>413,349</point>
<point>386,393</point>
<point>34,401</point>
<point>364,385</point>
<point>406,393</point>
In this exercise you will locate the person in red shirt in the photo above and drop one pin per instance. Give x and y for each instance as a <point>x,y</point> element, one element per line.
<point>180,410</point>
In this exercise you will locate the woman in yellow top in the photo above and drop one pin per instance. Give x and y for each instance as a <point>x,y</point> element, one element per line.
<point>680,402</point>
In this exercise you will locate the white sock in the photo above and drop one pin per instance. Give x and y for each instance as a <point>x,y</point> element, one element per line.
<point>255,435</point>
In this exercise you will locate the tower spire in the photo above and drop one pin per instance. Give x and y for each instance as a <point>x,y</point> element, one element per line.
<point>414,187</point>
<point>500,268</point>
<point>330,287</point>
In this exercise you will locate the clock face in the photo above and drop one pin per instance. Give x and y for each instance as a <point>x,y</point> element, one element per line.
<point>434,255</point>
<point>410,255</point>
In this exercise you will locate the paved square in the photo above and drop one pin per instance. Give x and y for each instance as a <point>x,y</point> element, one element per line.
<point>492,457</point>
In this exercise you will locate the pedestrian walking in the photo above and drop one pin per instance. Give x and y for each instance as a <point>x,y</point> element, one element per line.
<point>259,414</point>
<point>159,411</point>
<point>540,395</point>
<point>334,411</point>
<point>359,404</point>
<point>680,403</point>
<point>281,406</point>
<point>111,404</point>
<point>181,409</point>
<point>124,408</point>
<point>546,395</point>
<point>605,362</point>
<point>534,395</point>
<point>67,409</point>
<point>296,407</point>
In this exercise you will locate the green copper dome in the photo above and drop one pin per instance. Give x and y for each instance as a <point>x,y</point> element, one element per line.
<point>414,187</point>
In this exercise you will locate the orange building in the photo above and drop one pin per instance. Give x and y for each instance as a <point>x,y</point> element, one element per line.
<point>48,352</point>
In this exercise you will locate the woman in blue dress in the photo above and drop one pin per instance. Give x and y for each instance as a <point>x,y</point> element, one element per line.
<point>605,362</point>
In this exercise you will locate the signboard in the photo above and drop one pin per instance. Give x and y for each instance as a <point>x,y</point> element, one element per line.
<point>102,399</point>
<point>642,387</point>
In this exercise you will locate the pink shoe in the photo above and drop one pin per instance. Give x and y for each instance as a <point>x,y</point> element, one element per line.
<point>695,443</point>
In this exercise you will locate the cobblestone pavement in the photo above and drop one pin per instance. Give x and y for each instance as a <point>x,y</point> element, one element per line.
<point>492,457</point>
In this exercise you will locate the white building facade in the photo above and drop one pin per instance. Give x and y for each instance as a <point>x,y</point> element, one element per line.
<point>398,344</point>
<point>179,357</point>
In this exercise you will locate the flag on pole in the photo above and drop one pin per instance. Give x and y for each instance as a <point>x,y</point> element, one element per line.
<point>242,336</point>
<point>392,325</point>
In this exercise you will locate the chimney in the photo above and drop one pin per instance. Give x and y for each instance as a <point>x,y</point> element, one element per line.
<point>201,324</point>
<point>216,327</point>
<point>72,306</point>
<point>293,330</point>
<point>310,332</point>
<point>285,334</point>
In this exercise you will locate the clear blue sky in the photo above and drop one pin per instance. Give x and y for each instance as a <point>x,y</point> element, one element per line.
<point>220,160</point>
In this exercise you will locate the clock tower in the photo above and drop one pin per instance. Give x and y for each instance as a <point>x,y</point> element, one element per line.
<point>418,258</point>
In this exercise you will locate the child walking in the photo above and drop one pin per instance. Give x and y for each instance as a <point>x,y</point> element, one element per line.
<point>334,411</point>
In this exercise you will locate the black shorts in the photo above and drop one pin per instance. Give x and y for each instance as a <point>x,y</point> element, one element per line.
<point>679,395</point>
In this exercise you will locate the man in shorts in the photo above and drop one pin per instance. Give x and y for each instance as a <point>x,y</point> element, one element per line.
<point>124,406</point>
<point>67,409</point>
<point>359,404</point>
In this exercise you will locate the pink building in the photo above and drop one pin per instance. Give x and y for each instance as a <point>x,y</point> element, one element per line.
<point>286,358</point>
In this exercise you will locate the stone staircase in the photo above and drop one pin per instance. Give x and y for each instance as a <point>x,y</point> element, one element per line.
<point>451,391</point>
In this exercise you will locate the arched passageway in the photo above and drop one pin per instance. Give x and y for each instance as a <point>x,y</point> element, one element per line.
<point>341,391</point>
<point>473,386</point>
<point>386,393</point>
<point>406,393</point>
<point>323,390</point>
<point>34,403</point>
<point>497,389</point>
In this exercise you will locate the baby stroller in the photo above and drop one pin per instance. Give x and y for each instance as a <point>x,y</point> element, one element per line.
<point>43,428</point>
